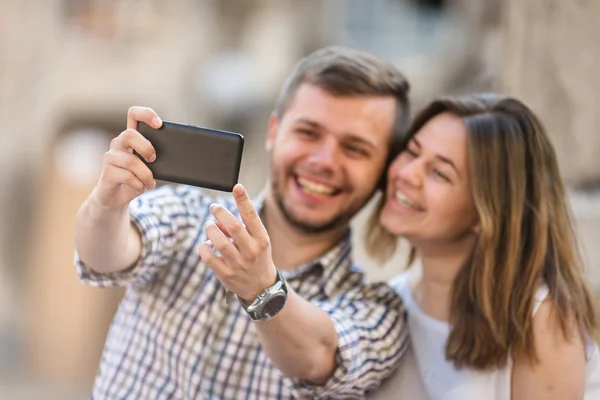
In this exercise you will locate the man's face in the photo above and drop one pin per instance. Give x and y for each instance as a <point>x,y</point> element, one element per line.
<point>328,154</point>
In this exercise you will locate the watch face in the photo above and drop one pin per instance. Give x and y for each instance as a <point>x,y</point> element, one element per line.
<point>273,306</point>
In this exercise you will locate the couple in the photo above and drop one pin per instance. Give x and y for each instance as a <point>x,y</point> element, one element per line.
<point>500,304</point>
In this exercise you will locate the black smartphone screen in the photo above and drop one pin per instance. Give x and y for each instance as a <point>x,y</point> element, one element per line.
<point>192,155</point>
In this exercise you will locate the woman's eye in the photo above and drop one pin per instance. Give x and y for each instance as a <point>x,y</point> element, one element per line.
<point>412,153</point>
<point>441,175</point>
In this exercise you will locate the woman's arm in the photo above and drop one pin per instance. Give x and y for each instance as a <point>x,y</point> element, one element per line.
<point>560,373</point>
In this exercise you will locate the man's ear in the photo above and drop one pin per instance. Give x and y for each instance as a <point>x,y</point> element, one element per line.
<point>272,131</point>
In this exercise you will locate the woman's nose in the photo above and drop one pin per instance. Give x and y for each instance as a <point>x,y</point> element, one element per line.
<point>412,173</point>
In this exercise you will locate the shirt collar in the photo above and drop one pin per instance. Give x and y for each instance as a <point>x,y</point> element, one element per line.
<point>333,266</point>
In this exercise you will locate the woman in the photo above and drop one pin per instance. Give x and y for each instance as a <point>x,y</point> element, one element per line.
<point>500,307</point>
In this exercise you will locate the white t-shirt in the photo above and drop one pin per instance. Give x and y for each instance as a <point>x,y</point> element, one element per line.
<point>439,378</point>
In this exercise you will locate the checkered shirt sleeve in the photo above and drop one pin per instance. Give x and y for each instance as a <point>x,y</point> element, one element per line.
<point>166,218</point>
<point>372,339</point>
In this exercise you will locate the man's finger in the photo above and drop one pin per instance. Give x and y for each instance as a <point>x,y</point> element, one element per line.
<point>142,114</point>
<point>247,211</point>
<point>233,228</point>
<point>116,176</point>
<point>131,163</point>
<point>224,230</point>
<point>222,244</point>
<point>212,260</point>
<point>131,140</point>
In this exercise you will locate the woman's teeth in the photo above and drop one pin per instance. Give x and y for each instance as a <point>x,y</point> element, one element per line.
<point>315,188</point>
<point>400,198</point>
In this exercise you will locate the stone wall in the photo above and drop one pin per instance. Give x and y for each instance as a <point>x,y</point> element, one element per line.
<point>550,60</point>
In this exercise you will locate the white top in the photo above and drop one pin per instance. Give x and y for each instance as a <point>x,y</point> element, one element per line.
<point>442,381</point>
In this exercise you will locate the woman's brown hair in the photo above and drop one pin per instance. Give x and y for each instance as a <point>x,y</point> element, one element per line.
<point>526,239</point>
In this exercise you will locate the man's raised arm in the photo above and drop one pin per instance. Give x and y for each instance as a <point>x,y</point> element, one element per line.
<point>105,240</point>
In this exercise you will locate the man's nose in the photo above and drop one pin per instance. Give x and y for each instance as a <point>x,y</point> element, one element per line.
<point>326,155</point>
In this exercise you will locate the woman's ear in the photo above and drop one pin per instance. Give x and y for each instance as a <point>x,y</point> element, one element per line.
<point>477,229</point>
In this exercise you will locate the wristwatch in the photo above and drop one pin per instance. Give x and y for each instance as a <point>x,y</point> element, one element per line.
<point>269,303</point>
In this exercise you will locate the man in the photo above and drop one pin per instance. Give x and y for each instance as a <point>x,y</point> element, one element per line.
<point>306,325</point>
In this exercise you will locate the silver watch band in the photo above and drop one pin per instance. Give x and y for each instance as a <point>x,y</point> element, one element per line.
<point>269,303</point>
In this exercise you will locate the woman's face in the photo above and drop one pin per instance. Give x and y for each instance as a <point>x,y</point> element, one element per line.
<point>429,198</point>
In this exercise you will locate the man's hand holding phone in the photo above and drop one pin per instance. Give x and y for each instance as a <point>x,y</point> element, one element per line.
<point>124,176</point>
<point>147,150</point>
<point>105,239</point>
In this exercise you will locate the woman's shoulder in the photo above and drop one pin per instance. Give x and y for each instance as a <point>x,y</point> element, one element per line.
<point>540,296</point>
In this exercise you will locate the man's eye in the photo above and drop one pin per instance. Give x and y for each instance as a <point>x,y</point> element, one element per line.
<point>357,151</point>
<point>306,132</point>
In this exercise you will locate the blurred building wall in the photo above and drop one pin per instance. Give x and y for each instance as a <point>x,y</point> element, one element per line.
<point>551,57</point>
<point>69,70</point>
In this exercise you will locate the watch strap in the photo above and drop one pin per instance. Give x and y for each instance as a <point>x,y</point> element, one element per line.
<point>256,309</point>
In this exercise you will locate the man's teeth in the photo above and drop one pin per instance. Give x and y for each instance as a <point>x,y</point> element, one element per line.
<point>315,188</point>
<point>400,198</point>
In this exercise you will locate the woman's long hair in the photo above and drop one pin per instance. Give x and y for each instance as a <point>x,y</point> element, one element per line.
<point>526,239</point>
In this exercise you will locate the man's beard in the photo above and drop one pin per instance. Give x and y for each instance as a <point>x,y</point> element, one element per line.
<point>337,221</point>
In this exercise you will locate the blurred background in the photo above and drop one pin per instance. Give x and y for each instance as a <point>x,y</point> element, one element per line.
<point>70,69</point>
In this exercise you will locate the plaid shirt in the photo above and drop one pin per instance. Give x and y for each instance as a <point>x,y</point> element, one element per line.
<point>174,336</point>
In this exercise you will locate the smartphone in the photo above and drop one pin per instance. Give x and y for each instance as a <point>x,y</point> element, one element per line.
<point>196,156</point>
